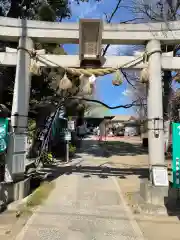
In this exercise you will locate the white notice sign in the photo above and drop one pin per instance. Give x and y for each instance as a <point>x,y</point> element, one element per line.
<point>67,136</point>
<point>71,125</point>
<point>160,176</point>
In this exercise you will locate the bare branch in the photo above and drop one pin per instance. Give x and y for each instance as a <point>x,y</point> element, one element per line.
<point>134,103</point>
<point>125,76</point>
<point>132,20</point>
<point>108,20</point>
<point>106,16</point>
<point>139,93</point>
<point>114,11</point>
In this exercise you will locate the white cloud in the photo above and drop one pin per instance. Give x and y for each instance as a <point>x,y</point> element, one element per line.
<point>113,50</point>
<point>138,53</point>
<point>85,10</point>
<point>116,50</point>
<point>127,92</point>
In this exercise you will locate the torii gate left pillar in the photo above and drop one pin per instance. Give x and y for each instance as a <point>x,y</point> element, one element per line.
<point>16,156</point>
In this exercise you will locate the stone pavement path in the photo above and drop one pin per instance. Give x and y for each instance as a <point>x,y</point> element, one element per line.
<point>82,207</point>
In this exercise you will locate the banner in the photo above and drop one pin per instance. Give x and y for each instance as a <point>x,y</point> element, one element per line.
<point>176,154</point>
<point>166,134</point>
<point>4,124</point>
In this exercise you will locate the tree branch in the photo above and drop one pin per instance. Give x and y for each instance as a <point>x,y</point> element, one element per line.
<point>114,11</point>
<point>109,21</point>
<point>125,76</point>
<point>134,103</point>
<point>131,20</point>
<point>141,104</point>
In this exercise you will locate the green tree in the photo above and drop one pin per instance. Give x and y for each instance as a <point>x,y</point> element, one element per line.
<point>42,88</point>
<point>35,9</point>
<point>42,10</point>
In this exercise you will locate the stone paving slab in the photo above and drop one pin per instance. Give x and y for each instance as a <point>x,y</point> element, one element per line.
<point>85,206</point>
<point>81,208</point>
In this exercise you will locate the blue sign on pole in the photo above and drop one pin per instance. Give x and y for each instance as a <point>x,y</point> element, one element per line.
<point>176,154</point>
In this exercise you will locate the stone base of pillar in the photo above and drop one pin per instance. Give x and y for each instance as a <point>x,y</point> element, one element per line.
<point>158,200</point>
<point>16,158</point>
<point>152,194</point>
<point>10,192</point>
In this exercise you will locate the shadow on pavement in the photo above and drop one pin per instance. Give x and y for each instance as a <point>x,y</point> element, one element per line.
<point>113,148</point>
<point>172,202</point>
<point>97,149</point>
<point>101,171</point>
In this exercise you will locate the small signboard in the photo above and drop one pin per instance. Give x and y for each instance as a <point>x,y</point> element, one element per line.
<point>20,143</point>
<point>67,136</point>
<point>176,154</point>
<point>160,176</point>
<point>71,125</point>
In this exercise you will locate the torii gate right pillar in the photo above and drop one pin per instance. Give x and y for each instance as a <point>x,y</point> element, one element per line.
<point>155,106</point>
<point>158,170</point>
<point>155,189</point>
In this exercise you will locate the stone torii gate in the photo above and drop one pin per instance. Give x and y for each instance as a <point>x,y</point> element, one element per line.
<point>26,32</point>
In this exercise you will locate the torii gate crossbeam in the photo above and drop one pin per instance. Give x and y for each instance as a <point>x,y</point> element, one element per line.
<point>72,61</point>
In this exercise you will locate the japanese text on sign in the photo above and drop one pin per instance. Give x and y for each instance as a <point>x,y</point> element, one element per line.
<point>176,154</point>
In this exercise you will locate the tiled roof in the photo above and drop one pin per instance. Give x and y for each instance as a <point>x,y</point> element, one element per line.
<point>123,118</point>
<point>97,111</point>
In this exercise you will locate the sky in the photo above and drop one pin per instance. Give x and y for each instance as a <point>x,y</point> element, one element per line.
<point>105,91</point>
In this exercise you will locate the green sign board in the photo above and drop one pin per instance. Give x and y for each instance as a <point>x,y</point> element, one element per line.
<point>4,123</point>
<point>176,154</point>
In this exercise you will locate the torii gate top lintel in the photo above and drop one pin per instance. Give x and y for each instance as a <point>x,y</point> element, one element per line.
<point>11,29</point>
